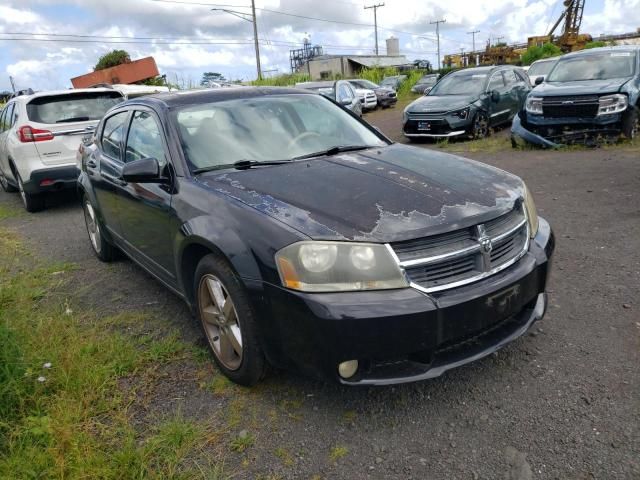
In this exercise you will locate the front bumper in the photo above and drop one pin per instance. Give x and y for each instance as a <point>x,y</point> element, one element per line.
<point>445,127</point>
<point>405,335</point>
<point>52,179</point>
<point>559,132</point>
<point>387,101</point>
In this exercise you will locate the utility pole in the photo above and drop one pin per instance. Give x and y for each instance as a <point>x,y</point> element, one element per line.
<point>13,85</point>
<point>249,18</point>
<point>473,34</point>
<point>437,23</point>
<point>498,39</point>
<point>255,38</point>
<point>375,20</point>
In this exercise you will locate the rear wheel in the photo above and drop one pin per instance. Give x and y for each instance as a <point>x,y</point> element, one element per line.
<point>228,321</point>
<point>32,202</point>
<point>6,186</point>
<point>631,124</point>
<point>101,247</point>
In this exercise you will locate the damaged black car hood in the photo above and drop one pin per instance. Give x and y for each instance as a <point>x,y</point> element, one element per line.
<point>381,194</point>
<point>444,103</point>
<point>590,87</point>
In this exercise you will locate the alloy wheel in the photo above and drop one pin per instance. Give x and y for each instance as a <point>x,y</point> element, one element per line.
<point>480,126</point>
<point>220,321</point>
<point>92,226</point>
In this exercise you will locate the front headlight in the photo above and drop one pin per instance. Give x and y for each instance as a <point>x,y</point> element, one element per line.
<point>532,213</point>
<point>405,116</point>
<point>462,114</point>
<point>612,104</point>
<point>534,105</point>
<point>311,266</point>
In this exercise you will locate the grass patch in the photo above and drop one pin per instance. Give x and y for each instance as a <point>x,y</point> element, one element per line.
<point>7,211</point>
<point>338,452</point>
<point>62,414</point>
<point>243,441</point>
<point>285,457</point>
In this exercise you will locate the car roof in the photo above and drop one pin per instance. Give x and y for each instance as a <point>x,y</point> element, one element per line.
<point>211,95</point>
<point>325,84</point>
<point>548,59</point>
<point>591,51</point>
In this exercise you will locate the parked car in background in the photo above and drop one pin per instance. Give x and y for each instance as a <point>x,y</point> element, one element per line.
<point>340,91</point>
<point>301,236</point>
<point>468,103</point>
<point>393,81</point>
<point>135,91</point>
<point>588,96</point>
<point>367,97</point>
<point>425,84</point>
<point>386,97</point>
<point>540,69</point>
<point>39,136</point>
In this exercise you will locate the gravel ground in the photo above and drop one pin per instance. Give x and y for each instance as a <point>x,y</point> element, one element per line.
<point>561,403</point>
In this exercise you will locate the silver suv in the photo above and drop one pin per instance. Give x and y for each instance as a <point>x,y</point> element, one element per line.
<point>39,136</point>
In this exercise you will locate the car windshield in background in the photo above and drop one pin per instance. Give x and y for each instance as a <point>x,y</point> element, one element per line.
<point>427,81</point>
<point>367,84</point>
<point>76,107</point>
<point>541,68</point>
<point>597,66</point>
<point>265,129</point>
<point>468,84</point>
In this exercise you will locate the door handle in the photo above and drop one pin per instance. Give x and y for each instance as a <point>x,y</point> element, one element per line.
<point>91,164</point>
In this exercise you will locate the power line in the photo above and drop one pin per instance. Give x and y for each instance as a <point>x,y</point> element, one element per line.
<point>474,38</point>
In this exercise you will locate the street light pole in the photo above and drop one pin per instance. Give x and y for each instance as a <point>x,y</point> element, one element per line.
<point>375,20</point>
<point>249,18</point>
<point>437,23</point>
<point>255,38</point>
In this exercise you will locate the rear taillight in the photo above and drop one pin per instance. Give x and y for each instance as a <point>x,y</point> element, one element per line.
<point>28,134</point>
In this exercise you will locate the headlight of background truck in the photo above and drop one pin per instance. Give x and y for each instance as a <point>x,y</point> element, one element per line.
<point>534,105</point>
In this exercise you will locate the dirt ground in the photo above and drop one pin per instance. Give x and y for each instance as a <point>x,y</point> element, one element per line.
<point>562,403</point>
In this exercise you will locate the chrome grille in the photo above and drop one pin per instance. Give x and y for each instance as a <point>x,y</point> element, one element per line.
<point>464,256</point>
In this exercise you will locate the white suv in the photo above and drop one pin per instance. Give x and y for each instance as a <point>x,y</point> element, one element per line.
<point>39,136</point>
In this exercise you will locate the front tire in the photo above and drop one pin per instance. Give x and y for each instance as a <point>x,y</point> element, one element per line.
<point>32,202</point>
<point>228,321</point>
<point>480,126</point>
<point>631,124</point>
<point>101,247</point>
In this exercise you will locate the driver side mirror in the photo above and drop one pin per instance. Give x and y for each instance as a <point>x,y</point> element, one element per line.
<point>145,170</point>
<point>539,80</point>
<point>345,101</point>
<point>495,96</point>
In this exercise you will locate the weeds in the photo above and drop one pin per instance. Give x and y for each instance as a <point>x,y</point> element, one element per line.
<point>338,452</point>
<point>62,414</point>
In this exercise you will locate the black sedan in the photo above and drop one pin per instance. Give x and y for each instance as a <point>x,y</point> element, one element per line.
<point>386,96</point>
<point>468,103</point>
<point>301,237</point>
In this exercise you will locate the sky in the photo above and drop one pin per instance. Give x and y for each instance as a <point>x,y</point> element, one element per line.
<point>44,43</point>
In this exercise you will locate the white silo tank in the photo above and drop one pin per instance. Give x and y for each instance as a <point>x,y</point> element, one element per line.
<point>393,46</point>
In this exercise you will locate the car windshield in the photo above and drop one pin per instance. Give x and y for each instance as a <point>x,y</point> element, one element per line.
<point>541,68</point>
<point>461,84</point>
<point>366,84</point>
<point>389,81</point>
<point>71,107</point>
<point>266,128</point>
<point>427,81</point>
<point>594,66</point>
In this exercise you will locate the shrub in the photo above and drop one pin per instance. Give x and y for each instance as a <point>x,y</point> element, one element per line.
<point>536,53</point>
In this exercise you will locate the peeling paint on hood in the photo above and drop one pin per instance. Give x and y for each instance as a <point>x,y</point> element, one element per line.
<point>382,194</point>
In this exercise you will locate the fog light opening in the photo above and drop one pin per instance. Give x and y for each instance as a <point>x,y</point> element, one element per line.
<point>348,369</point>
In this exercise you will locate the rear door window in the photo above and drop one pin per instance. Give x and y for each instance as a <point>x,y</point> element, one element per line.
<point>72,107</point>
<point>7,118</point>
<point>112,135</point>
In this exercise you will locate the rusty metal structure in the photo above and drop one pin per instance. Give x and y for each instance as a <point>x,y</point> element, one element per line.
<point>570,39</point>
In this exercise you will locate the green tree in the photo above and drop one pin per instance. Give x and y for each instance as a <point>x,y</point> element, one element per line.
<point>208,77</point>
<point>536,53</point>
<point>111,59</point>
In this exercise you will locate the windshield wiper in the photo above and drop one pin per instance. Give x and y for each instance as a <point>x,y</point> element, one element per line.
<point>73,119</point>
<point>335,150</point>
<point>239,165</point>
